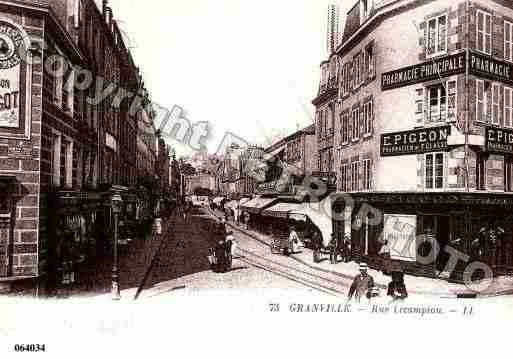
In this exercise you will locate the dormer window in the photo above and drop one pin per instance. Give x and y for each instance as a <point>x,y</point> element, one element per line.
<point>365,7</point>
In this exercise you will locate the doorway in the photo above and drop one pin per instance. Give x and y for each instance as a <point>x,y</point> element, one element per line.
<point>441,229</point>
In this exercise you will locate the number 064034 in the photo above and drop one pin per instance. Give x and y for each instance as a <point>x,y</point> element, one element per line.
<point>34,348</point>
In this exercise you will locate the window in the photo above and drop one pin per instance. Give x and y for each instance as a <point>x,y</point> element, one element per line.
<point>508,41</point>
<point>369,61</point>
<point>508,107</point>
<point>367,121</point>
<point>484,32</point>
<point>495,104</point>
<point>355,124</point>
<point>56,160</point>
<point>77,13</point>
<point>434,166</point>
<point>482,88</point>
<point>348,78</point>
<point>355,167</point>
<point>367,175</point>
<point>508,170</point>
<point>481,172</point>
<point>356,70</point>
<point>344,178</point>
<point>345,129</point>
<point>437,103</point>
<point>437,36</point>
<point>68,163</point>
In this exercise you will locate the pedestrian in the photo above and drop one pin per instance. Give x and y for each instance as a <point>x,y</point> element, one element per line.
<point>316,246</point>
<point>293,240</point>
<point>346,249</point>
<point>334,249</point>
<point>384,253</point>
<point>231,246</point>
<point>397,288</point>
<point>490,244</point>
<point>363,285</point>
<point>246,220</point>
<point>221,255</point>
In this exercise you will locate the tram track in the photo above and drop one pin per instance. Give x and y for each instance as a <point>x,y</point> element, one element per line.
<point>304,278</point>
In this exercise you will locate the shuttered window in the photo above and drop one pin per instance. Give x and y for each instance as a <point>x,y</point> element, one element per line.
<point>437,36</point>
<point>508,107</point>
<point>437,103</point>
<point>484,32</point>
<point>480,101</point>
<point>355,168</point>
<point>495,104</point>
<point>434,170</point>
<point>355,124</point>
<point>344,178</point>
<point>367,175</point>
<point>508,41</point>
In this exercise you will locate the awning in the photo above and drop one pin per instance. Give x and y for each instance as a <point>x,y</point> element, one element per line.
<point>217,200</point>
<point>244,200</point>
<point>257,204</point>
<point>317,214</point>
<point>282,209</point>
<point>270,156</point>
<point>231,204</point>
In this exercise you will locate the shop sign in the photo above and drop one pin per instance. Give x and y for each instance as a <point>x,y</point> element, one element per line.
<point>400,232</point>
<point>415,141</point>
<point>499,140</point>
<point>14,82</point>
<point>426,71</point>
<point>485,66</point>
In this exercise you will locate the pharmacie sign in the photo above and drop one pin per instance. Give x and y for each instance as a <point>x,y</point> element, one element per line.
<point>426,71</point>
<point>487,67</point>
<point>415,141</point>
<point>499,140</point>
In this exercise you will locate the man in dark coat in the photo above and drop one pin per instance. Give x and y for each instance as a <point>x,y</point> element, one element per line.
<point>362,285</point>
<point>397,288</point>
<point>490,244</point>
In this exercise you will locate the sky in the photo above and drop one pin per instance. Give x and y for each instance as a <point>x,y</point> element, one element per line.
<point>247,67</point>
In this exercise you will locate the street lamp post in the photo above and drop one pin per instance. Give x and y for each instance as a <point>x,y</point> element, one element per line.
<point>116,202</point>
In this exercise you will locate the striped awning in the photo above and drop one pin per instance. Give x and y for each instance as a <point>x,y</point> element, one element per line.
<point>257,204</point>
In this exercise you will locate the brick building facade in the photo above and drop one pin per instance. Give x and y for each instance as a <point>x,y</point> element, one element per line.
<point>64,147</point>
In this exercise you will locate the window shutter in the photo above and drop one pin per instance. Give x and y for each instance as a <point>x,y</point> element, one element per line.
<point>452,100</point>
<point>419,106</point>
<point>362,120</point>
<point>489,99</point>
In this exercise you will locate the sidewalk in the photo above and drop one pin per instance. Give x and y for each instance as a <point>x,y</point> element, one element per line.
<point>416,285</point>
<point>133,261</point>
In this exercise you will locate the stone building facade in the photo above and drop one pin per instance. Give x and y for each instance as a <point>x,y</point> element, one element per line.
<point>418,96</point>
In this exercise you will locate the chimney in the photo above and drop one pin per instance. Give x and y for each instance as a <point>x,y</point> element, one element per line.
<point>108,16</point>
<point>105,4</point>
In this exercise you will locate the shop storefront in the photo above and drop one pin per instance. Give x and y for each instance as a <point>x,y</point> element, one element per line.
<point>454,220</point>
